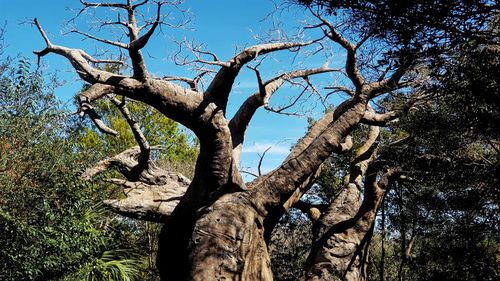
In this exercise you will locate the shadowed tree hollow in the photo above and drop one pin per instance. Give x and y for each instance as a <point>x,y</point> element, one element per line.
<point>216,226</point>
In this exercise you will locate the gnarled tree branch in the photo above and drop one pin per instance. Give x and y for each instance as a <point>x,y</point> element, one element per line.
<point>151,197</point>
<point>240,121</point>
<point>220,87</point>
<point>351,67</point>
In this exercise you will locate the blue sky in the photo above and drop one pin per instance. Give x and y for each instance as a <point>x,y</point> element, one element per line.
<point>222,25</point>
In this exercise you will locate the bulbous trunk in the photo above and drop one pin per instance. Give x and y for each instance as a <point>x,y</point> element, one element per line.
<point>224,242</point>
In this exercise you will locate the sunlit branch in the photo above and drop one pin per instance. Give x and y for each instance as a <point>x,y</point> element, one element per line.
<point>193,83</point>
<point>86,97</point>
<point>337,89</point>
<point>351,60</point>
<point>113,43</point>
<point>240,121</point>
<point>136,131</point>
<point>220,87</point>
<point>197,51</point>
<point>378,119</point>
<point>80,61</point>
<point>112,5</point>
<point>94,60</point>
<point>140,42</point>
<point>86,108</point>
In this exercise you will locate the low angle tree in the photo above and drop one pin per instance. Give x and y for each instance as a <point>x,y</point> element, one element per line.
<point>216,226</point>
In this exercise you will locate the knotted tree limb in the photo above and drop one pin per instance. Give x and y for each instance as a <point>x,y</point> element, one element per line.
<point>240,121</point>
<point>343,233</point>
<point>220,87</point>
<point>151,193</point>
<point>378,119</point>
<point>152,197</point>
<point>149,202</point>
<point>334,239</point>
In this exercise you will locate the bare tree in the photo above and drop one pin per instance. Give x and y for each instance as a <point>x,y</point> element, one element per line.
<point>216,226</point>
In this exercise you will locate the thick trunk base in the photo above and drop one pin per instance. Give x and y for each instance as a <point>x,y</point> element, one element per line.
<point>226,242</point>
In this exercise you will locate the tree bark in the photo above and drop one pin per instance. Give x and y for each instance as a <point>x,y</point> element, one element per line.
<point>342,237</point>
<point>344,231</point>
<point>216,226</point>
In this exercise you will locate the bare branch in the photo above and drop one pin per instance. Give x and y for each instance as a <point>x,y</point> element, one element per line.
<point>136,131</point>
<point>89,110</point>
<point>378,119</point>
<point>249,173</point>
<point>240,121</point>
<point>109,42</point>
<point>139,4</point>
<point>42,32</point>
<point>79,60</point>
<point>192,82</point>
<point>351,61</point>
<point>112,5</point>
<point>140,42</point>
<point>96,61</point>
<point>262,159</point>
<point>94,92</point>
<point>343,89</point>
<point>221,85</point>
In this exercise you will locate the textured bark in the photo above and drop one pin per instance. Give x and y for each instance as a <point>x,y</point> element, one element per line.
<point>344,230</point>
<point>151,195</point>
<point>149,202</point>
<point>332,254</point>
<point>343,233</point>
<point>216,226</point>
<point>228,239</point>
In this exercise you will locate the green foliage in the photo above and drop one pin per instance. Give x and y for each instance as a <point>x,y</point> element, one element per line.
<point>47,224</point>
<point>451,210</point>
<point>52,229</point>
<point>111,266</point>
<point>290,245</point>
<point>417,25</point>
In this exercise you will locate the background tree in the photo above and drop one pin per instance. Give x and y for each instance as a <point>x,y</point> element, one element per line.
<point>449,216</point>
<point>50,224</point>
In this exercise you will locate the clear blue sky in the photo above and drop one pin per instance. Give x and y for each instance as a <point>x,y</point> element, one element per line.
<point>221,24</point>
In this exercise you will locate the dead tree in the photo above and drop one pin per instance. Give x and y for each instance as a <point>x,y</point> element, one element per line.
<point>215,225</point>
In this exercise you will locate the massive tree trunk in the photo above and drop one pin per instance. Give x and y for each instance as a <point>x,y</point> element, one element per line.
<point>216,226</point>
<point>227,240</point>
